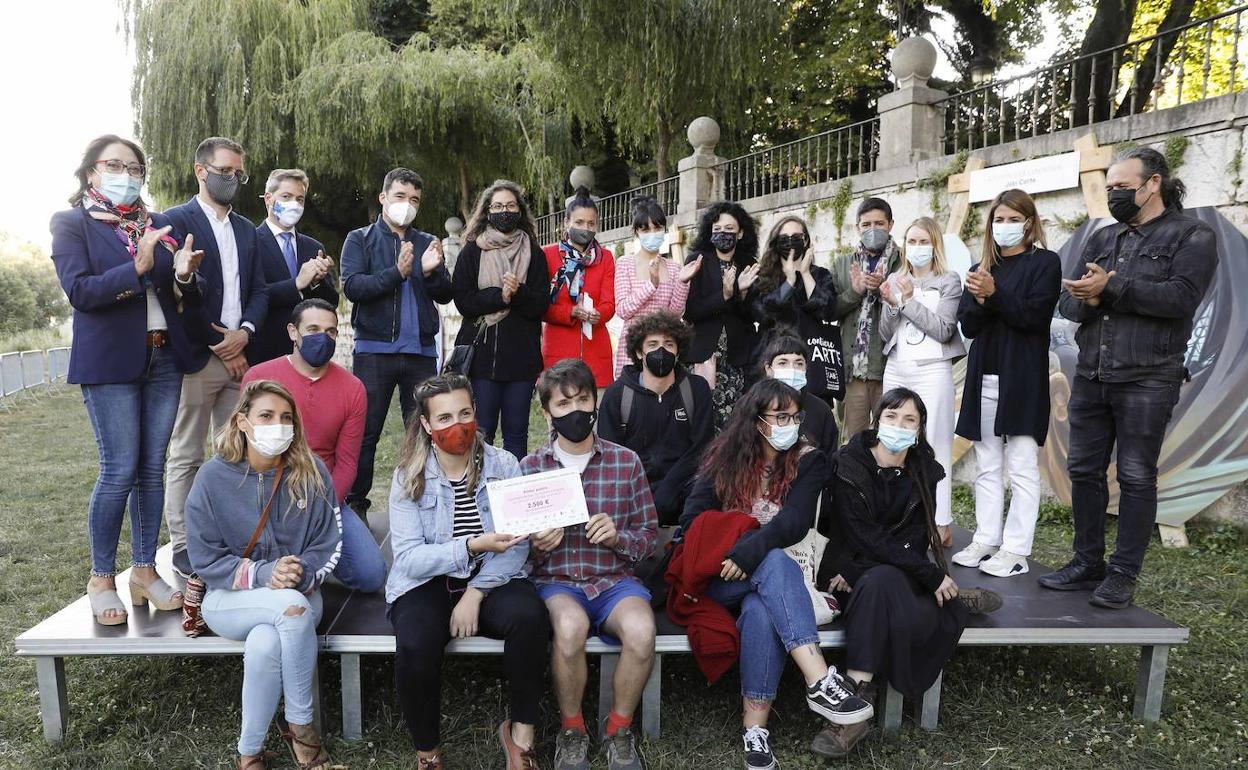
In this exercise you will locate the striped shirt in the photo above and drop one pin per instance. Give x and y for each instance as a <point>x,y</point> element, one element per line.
<point>467,517</point>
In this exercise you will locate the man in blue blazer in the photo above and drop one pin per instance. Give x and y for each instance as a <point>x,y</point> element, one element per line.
<point>295,266</point>
<point>236,298</point>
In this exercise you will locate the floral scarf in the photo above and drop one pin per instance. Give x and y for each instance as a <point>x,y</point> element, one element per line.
<point>572,272</point>
<point>129,222</point>
<point>862,333</point>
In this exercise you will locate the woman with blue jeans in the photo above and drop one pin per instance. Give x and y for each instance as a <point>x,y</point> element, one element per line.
<point>263,532</point>
<point>759,465</point>
<point>137,310</point>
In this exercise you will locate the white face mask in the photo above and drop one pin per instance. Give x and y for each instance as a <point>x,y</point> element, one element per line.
<point>781,438</point>
<point>919,255</point>
<point>401,213</point>
<point>271,440</point>
<point>794,378</point>
<point>288,214</point>
<point>1008,234</point>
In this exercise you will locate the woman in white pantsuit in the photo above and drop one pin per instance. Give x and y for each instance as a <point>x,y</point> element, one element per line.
<point>920,330</point>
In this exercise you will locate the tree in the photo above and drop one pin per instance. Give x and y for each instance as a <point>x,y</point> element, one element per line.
<point>43,304</point>
<point>18,308</point>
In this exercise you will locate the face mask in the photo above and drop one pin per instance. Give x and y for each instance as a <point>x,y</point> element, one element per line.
<point>581,236</point>
<point>317,349</point>
<point>220,189</point>
<point>271,440</point>
<point>724,242</point>
<point>401,213</point>
<point>1008,234</point>
<point>794,378</point>
<point>288,213</point>
<point>875,239</point>
<point>781,438</point>
<point>575,426</point>
<point>455,439</point>
<point>794,245</point>
<point>504,221</point>
<point>1122,205</point>
<point>896,439</point>
<point>651,242</point>
<point>919,255</point>
<point>121,189</point>
<point>660,362</point>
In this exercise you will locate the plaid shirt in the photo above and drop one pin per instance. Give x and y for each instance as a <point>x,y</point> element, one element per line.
<point>615,484</point>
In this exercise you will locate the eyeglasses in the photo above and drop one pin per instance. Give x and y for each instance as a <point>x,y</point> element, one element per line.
<point>230,173</point>
<point>498,208</point>
<point>782,419</point>
<point>115,166</point>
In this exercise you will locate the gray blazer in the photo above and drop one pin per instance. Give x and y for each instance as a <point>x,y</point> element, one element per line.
<point>941,325</point>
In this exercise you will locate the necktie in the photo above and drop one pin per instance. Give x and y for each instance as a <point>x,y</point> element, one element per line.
<point>288,248</point>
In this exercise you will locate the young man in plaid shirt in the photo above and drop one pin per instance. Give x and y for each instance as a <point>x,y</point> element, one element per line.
<point>585,574</point>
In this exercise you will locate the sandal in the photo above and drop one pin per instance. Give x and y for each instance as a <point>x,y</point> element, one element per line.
<point>162,595</point>
<point>103,601</point>
<point>256,761</point>
<point>320,761</point>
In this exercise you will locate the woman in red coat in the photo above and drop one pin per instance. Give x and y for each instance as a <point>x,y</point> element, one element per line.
<point>582,291</point>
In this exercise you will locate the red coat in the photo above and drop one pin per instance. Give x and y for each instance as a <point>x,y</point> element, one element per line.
<point>712,630</point>
<point>562,337</point>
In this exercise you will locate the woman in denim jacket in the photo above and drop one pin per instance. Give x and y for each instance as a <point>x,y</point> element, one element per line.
<point>454,576</point>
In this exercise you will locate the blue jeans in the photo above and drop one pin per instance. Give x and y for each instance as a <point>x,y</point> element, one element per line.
<point>512,400</point>
<point>774,616</point>
<point>279,653</point>
<point>361,566</point>
<point>132,423</point>
<point>381,374</point>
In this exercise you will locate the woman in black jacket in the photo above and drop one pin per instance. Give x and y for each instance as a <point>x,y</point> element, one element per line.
<point>718,305</point>
<point>1006,309</point>
<point>904,613</point>
<point>502,288</point>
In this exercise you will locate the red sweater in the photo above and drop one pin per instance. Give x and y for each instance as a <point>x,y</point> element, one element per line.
<point>332,409</point>
<point>562,337</point>
<point>713,634</point>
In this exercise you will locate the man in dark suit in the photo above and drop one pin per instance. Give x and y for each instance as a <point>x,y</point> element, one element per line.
<point>236,299</point>
<point>295,266</point>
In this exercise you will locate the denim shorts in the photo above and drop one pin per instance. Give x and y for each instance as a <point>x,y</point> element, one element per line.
<point>600,607</point>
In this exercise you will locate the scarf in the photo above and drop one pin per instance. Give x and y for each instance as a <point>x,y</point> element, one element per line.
<point>502,253</point>
<point>572,272</point>
<point>129,223</point>
<point>862,334</point>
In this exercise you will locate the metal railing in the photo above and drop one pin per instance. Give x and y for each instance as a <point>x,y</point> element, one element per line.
<point>21,373</point>
<point>1195,61</point>
<point>824,157</point>
<point>616,210</point>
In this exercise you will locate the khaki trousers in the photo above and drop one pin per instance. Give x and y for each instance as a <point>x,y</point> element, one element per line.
<point>860,397</point>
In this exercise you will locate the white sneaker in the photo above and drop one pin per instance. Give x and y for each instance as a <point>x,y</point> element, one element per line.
<point>973,554</point>
<point>1004,564</point>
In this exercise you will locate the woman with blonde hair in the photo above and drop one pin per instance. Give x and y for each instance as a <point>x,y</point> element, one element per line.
<point>263,532</point>
<point>919,326</point>
<point>1006,310</point>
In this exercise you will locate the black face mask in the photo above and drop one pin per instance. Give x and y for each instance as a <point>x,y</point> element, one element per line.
<point>1122,205</point>
<point>660,362</point>
<point>581,236</point>
<point>504,221</point>
<point>724,242</point>
<point>575,426</point>
<point>791,244</point>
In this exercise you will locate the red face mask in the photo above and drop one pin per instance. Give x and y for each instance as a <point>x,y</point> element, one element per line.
<point>455,439</point>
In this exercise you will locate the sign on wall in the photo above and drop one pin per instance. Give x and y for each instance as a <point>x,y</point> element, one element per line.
<point>1056,172</point>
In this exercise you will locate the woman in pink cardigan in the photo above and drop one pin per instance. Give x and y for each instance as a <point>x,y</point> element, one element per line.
<point>648,282</point>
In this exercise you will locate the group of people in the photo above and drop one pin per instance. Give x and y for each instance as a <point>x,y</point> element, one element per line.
<point>712,415</point>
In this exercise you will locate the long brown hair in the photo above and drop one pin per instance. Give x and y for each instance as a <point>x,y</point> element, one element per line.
<point>734,460</point>
<point>418,444</point>
<point>301,476</point>
<point>990,253</point>
<point>770,274</point>
<point>480,218</point>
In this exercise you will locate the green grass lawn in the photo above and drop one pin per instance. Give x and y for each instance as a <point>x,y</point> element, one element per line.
<point>1002,708</point>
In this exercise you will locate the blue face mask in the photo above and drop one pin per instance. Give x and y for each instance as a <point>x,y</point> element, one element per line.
<point>121,189</point>
<point>794,378</point>
<point>896,439</point>
<point>651,242</point>
<point>317,349</point>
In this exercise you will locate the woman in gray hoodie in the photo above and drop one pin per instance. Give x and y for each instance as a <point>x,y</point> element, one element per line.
<point>267,597</point>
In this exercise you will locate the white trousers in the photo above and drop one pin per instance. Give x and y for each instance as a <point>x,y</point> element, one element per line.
<point>933,381</point>
<point>995,457</point>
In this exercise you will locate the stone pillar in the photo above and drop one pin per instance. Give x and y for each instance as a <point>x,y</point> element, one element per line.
<point>581,176</point>
<point>700,182</point>
<point>911,127</point>
<point>453,242</point>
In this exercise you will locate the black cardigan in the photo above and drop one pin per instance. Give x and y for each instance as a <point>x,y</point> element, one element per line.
<point>511,350</point>
<point>791,524</point>
<point>1019,313</point>
<point>709,314</point>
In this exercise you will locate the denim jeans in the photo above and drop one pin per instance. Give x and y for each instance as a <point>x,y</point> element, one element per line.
<point>774,616</point>
<point>512,399</point>
<point>381,373</point>
<point>1134,416</point>
<point>132,423</point>
<point>279,653</point>
<point>361,566</point>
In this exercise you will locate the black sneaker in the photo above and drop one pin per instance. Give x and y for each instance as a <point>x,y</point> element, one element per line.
<point>758,754</point>
<point>981,601</point>
<point>1075,576</point>
<point>622,751</point>
<point>572,750</point>
<point>1115,591</point>
<point>832,699</point>
<point>182,563</point>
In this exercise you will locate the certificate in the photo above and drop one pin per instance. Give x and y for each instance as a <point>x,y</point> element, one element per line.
<point>528,504</point>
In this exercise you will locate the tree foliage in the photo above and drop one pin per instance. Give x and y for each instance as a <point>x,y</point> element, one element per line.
<point>30,295</point>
